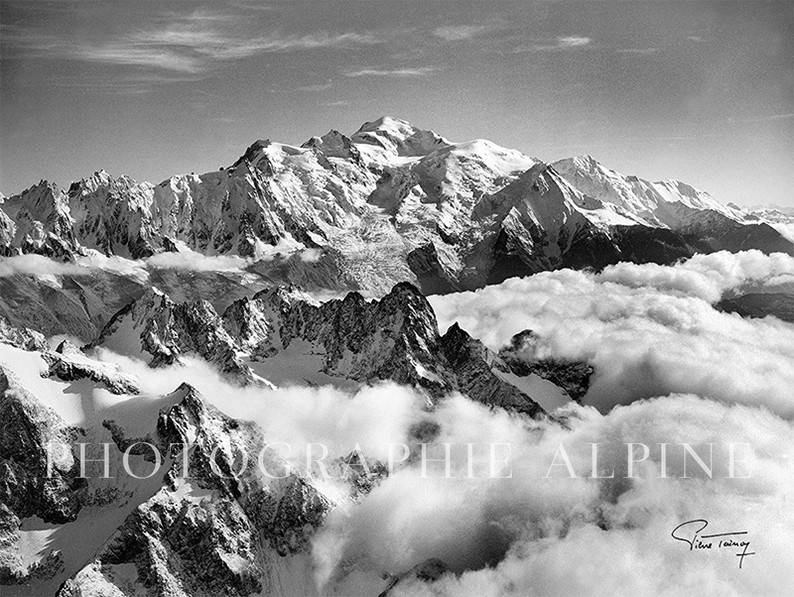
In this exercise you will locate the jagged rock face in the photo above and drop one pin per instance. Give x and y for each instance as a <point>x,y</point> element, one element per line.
<point>156,326</point>
<point>521,358</point>
<point>81,304</point>
<point>390,203</point>
<point>361,474</point>
<point>38,221</point>
<point>26,488</point>
<point>23,338</point>
<point>230,530</point>
<point>112,215</point>
<point>395,338</point>
<point>779,304</point>
<point>70,364</point>
<point>473,364</point>
<point>428,571</point>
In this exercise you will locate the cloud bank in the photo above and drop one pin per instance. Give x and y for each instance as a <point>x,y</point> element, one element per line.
<point>671,370</point>
<point>648,330</point>
<point>540,531</point>
<point>184,260</point>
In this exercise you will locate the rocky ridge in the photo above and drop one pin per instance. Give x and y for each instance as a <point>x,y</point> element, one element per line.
<point>390,203</point>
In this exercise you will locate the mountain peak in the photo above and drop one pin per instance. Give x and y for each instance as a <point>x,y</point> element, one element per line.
<point>584,162</point>
<point>387,123</point>
<point>398,136</point>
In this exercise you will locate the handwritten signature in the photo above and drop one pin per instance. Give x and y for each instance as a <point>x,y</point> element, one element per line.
<point>690,533</point>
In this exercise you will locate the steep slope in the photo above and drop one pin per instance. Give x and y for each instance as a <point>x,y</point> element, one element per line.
<point>155,325</point>
<point>282,336</point>
<point>701,220</point>
<point>780,218</point>
<point>207,532</point>
<point>665,203</point>
<point>112,215</point>
<point>38,221</point>
<point>389,203</point>
<point>777,304</point>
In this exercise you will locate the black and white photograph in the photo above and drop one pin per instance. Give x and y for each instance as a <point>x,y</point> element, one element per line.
<point>408,298</point>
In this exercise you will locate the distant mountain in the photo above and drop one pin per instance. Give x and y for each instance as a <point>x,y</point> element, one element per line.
<point>780,218</point>
<point>390,203</point>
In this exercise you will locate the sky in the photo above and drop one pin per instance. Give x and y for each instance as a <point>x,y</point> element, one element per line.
<point>695,90</point>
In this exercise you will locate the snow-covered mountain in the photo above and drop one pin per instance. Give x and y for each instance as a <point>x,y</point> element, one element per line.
<point>282,335</point>
<point>295,272</point>
<point>780,218</point>
<point>235,533</point>
<point>390,203</point>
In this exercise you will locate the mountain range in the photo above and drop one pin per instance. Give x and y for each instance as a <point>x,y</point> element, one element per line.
<point>313,266</point>
<point>390,203</point>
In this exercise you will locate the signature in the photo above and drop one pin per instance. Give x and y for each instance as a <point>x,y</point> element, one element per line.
<point>690,533</point>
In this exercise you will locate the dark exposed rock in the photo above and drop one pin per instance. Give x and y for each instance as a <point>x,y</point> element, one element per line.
<point>166,330</point>
<point>571,376</point>
<point>286,510</point>
<point>395,338</point>
<point>778,304</point>
<point>70,364</point>
<point>23,338</point>
<point>361,473</point>
<point>217,528</point>
<point>428,571</point>
<point>473,364</point>
<point>432,276</point>
<point>27,428</point>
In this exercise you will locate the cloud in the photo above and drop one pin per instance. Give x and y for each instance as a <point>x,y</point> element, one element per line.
<point>573,41</point>
<point>185,260</point>
<point>34,265</point>
<point>38,265</point>
<point>648,330</point>
<point>372,416</point>
<point>771,117</point>
<point>786,229</point>
<point>459,32</point>
<point>197,262</point>
<point>397,72</point>
<point>183,44</point>
<point>563,43</point>
<point>519,535</point>
<point>637,51</point>
<point>651,331</point>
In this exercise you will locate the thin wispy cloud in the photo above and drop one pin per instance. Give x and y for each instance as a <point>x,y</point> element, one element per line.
<point>637,51</point>
<point>396,72</point>
<point>460,32</point>
<point>573,41</point>
<point>189,44</point>
<point>558,44</point>
<point>771,117</point>
<point>253,5</point>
